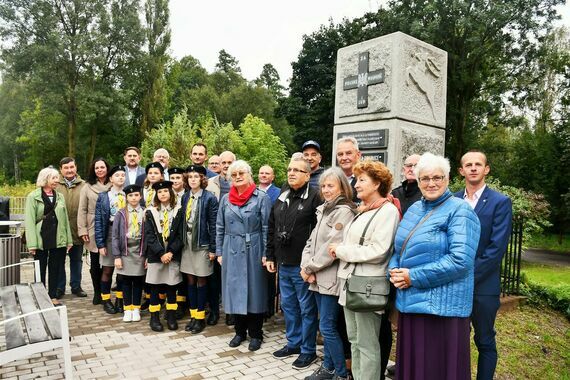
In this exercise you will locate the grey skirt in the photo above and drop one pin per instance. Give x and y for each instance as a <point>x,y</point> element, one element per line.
<point>196,263</point>
<point>109,260</point>
<point>133,263</point>
<point>159,273</point>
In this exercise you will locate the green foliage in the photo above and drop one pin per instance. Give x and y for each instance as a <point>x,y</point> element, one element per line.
<point>260,146</point>
<point>531,207</point>
<point>551,242</point>
<point>254,141</point>
<point>20,190</point>
<point>553,297</point>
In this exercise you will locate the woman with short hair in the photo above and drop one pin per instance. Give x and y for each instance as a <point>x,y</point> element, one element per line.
<point>432,269</point>
<point>48,232</point>
<point>241,237</point>
<point>365,251</point>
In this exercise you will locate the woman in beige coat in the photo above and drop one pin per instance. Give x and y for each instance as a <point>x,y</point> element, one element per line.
<point>97,182</point>
<point>368,257</point>
<point>320,269</point>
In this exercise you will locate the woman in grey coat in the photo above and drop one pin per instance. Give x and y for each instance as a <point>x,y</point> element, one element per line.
<point>319,269</point>
<point>241,236</point>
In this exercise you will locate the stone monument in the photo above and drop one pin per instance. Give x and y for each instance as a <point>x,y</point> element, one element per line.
<point>391,97</point>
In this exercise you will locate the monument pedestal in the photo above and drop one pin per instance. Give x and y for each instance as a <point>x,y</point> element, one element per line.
<point>391,96</point>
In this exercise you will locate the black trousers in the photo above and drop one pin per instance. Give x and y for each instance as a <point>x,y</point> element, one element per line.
<point>95,272</point>
<point>132,289</point>
<point>52,260</point>
<point>214,285</point>
<point>252,323</point>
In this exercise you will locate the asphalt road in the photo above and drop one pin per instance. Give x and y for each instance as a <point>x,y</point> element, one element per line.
<point>546,257</point>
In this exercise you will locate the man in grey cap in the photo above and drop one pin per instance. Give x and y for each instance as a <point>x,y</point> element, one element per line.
<point>312,154</point>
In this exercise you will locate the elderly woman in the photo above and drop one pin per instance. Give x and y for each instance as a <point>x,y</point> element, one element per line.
<point>241,237</point>
<point>319,269</point>
<point>365,251</point>
<point>432,269</point>
<point>47,228</point>
<point>97,182</point>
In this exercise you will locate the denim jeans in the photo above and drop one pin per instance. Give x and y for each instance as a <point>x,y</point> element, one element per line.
<point>75,267</point>
<point>333,349</point>
<point>299,308</point>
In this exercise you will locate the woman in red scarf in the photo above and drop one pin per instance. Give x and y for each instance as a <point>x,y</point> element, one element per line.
<point>241,236</point>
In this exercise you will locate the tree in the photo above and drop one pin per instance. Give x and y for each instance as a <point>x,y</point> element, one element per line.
<point>158,40</point>
<point>269,79</point>
<point>227,74</point>
<point>72,57</point>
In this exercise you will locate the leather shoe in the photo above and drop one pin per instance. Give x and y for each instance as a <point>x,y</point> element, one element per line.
<point>59,293</point>
<point>236,340</point>
<point>109,307</point>
<point>213,318</point>
<point>97,299</point>
<point>254,344</point>
<point>199,326</point>
<point>230,320</point>
<point>79,292</point>
<point>286,351</point>
<point>190,325</point>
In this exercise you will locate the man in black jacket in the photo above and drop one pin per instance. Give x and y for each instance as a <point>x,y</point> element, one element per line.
<point>409,192</point>
<point>292,219</point>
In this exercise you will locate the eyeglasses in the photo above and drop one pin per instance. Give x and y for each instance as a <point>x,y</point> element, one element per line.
<point>238,174</point>
<point>437,179</point>
<point>295,170</point>
<point>410,165</point>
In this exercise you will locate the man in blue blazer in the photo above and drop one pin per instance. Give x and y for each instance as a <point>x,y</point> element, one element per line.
<point>495,214</point>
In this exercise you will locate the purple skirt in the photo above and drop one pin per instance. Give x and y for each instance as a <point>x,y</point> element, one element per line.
<point>433,347</point>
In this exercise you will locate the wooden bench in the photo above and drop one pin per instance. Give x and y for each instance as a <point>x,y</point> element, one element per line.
<point>44,326</point>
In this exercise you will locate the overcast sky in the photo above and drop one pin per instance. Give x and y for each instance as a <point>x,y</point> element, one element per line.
<point>258,31</point>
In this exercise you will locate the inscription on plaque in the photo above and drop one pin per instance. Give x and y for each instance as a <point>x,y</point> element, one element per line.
<point>364,79</point>
<point>381,156</point>
<point>373,139</point>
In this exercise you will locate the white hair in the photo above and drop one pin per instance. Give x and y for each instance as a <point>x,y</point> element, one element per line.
<point>239,165</point>
<point>305,162</point>
<point>161,151</point>
<point>429,161</point>
<point>348,139</point>
<point>44,175</point>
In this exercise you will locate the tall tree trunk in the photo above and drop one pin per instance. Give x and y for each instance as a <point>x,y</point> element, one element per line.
<point>71,124</point>
<point>16,168</point>
<point>93,142</point>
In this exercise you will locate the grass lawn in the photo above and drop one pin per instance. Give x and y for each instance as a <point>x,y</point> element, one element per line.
<point>546,274</point>
<point>532,344</point>
<point>550,242</point>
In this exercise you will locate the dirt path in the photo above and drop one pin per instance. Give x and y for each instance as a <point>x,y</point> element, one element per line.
<point>546,257</point>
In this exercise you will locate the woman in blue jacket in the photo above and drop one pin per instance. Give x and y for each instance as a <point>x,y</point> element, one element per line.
<point>432,269</point>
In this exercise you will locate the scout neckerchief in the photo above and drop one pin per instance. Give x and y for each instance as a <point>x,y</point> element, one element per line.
<point>134,223</point>
<point>165,223</point>
<point>149,196</point>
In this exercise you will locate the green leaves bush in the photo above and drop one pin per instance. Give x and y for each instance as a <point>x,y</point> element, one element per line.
<point>557,298</point>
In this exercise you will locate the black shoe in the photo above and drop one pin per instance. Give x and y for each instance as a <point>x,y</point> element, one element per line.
<point>109,307</point>
<point>254,344</point>
<point>286,351</point>
<point>119,305</point>
<point>321,373</point>
<point>213,318</point>
<point>155,324</point>
<point>97,299</point>
<point>79,292</point>
<point>199,326</point>
<point>230,320</point>
<point>236,340</point>
<point>59,293</point>
<point>190,325</point>
<point>145,304</point>
<point>171,322</point>
<point>304,360</point>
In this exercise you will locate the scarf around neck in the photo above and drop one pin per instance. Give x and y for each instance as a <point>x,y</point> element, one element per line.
<point>240,199</point>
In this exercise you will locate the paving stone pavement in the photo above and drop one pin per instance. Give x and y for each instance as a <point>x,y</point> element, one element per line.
<point>105,347</point>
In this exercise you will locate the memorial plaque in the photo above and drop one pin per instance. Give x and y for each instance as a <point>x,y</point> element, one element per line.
<point>372,139</point>
<point>375,155</point>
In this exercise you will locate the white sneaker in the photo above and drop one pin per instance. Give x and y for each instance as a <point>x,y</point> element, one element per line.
<point>136,315</point>
<point>128,316</point>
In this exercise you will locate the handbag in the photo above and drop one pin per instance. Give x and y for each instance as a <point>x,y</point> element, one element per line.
<point>367,293</point>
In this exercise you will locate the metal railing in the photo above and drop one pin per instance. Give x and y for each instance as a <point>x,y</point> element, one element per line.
<point>511,264</point>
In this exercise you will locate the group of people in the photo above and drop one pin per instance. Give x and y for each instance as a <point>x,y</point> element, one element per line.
<point>185,236</point>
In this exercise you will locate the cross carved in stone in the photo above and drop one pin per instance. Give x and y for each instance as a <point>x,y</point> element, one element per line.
<point>364,79</point>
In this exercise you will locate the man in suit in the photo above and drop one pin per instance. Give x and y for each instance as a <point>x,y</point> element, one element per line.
<point>132,157</point>
<point>266,177</point>
<point>199,155</point>
<point>495,214</point>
